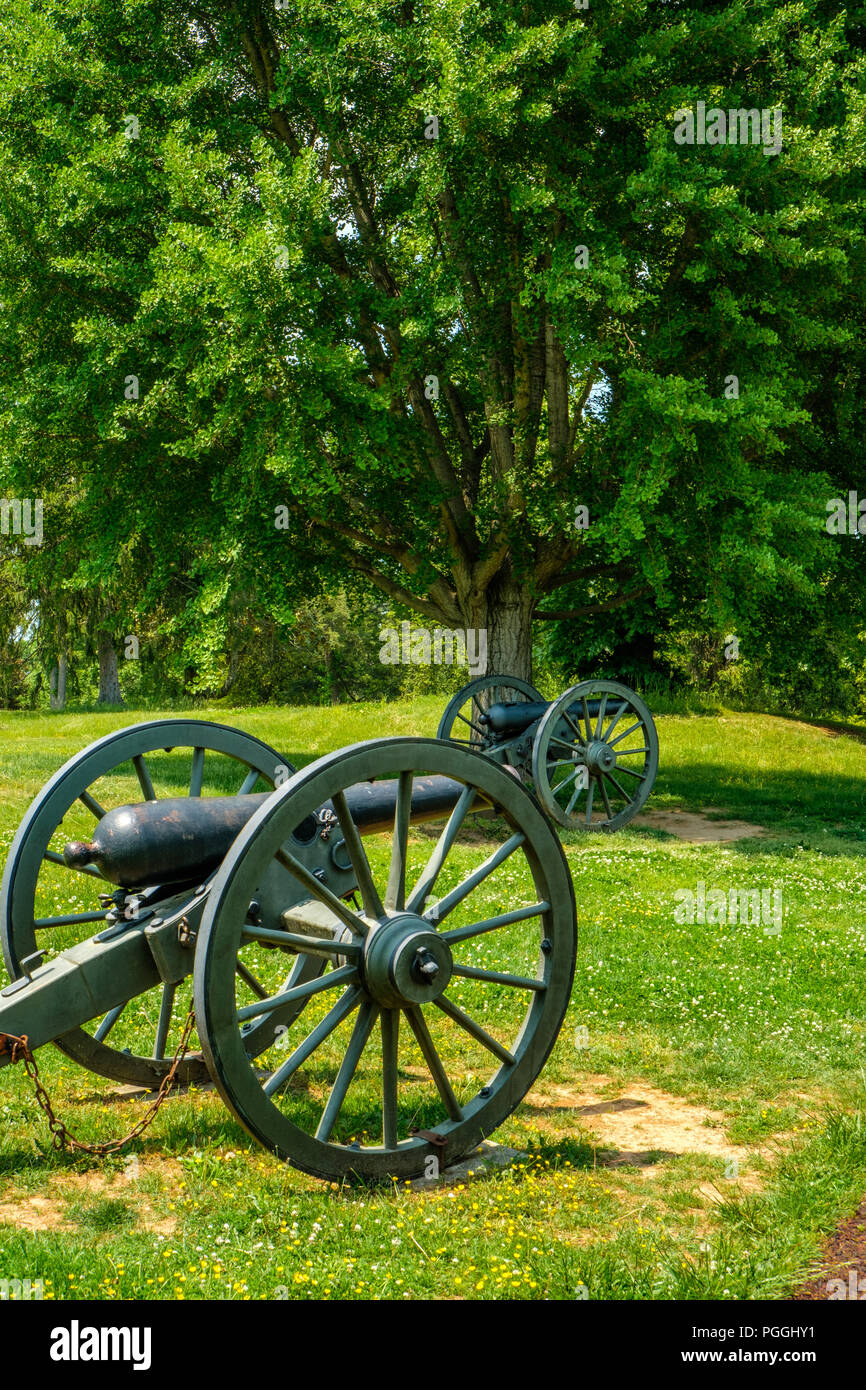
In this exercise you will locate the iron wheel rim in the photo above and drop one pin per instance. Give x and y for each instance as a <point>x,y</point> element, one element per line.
<point>20,886</point>
<point>584,740</point>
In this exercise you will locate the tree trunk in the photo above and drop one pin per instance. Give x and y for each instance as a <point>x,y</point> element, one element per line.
<point>109,681</point>
<point>507,619</point>
<point>57,684</point>
<point>234,667</point>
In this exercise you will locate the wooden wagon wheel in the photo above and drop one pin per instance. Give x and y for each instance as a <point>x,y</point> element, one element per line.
<point>433,1018</point>
<point>125,766</point>
<point>460,721</point>
<point>595,756</point>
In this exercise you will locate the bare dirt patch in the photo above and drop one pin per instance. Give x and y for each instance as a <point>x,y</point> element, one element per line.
<point>641,1128</point>
<point>698,829</point>
<point>49,1210</point>
<point>35,1214</point>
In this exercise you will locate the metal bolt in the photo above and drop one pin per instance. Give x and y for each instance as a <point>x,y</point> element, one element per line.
<point>485,1091</point>
<point>254,912</point>
<point>320,875</point>
<point>547,946</point>
<point>426,965</point>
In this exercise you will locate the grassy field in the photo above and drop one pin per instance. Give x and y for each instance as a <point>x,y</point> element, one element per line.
<point>697,1130</point>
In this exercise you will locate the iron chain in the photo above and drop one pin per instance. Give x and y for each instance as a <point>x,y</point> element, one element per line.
<point>60,1135</point>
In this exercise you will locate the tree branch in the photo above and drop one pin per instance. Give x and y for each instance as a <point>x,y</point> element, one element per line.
<point>593,608</point>
<point>558,581</point>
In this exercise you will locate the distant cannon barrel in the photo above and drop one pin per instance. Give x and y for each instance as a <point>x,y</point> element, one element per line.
<point>514,718</point>
<point>183,839</point>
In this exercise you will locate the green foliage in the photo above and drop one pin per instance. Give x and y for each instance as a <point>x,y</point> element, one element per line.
<point>282,260</point>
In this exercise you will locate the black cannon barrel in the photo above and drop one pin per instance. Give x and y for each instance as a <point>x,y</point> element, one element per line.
<point>183,839</point>
<point>513,718</point>
<point>164,841</point>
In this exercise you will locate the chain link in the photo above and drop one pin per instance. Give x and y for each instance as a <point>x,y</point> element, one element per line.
<point>60,1135</point>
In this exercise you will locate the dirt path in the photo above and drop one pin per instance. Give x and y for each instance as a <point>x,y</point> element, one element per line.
<point>843,1264</point>
<point>698,829</point>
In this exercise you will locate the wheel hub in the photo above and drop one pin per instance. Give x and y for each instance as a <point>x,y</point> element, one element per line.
<point>405,962</point>
<point>600,757</point>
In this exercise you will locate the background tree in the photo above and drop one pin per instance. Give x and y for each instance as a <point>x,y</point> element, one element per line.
<point>242,268</point>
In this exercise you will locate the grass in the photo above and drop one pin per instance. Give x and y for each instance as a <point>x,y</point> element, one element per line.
<point>751,1038</point>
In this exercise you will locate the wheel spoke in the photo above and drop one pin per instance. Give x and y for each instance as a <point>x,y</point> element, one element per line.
<point>641,776</point>
<point>390,1025</point>
<point>433,867</point>
<point>601,709</point>
<point>434,1062</point>
<point>92,804</point>
<point>607,806</point>
<point>143,775</point>
<point>349,1065</point>
<point>520,914</point>
<point>450,901</point>
<point>301,943</point>
<point>249,979</point>
<point>344,975</point>
<point>589,800</point>
<point>495,977</point>
<point>586,718</point>
<point>576,727</point>
<point>70,919</point>
<point>613,723</point>
<point>622,791</point>
<point>324,895</point>
<point>560,786</point>
<point>343,1007</point>
<point>358,855</point>
<point>620,737</point>
<point>395,893</point>
<point>474,727</point>
<point>197,773</point>
<point>573,802</point>
<point>563,743</point>
<point>166,1008</point>
<point>474,1030</point>
<point>108,1022</point>
<point>248,783</point>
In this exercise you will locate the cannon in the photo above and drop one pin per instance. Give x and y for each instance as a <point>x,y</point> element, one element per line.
<point>590,757</point>
<point>371,990</point>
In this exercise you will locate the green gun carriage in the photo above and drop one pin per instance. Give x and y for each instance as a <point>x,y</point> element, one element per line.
<point>591,756</point>
<point>370,989</point>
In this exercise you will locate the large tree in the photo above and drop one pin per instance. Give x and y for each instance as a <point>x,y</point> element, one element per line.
<point>397,288</point>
